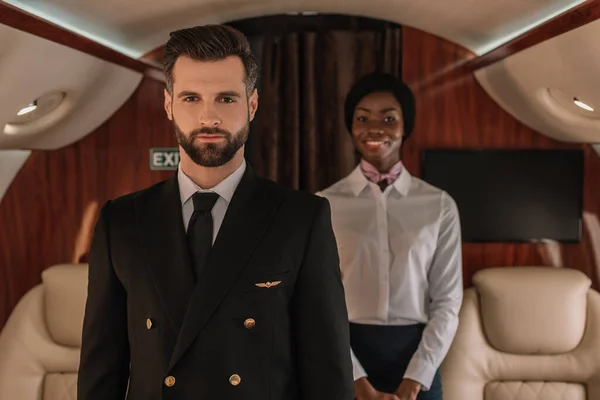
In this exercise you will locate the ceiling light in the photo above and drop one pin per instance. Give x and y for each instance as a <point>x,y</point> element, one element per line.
<point>31,107</point>
<point>582,104</point>
<point>39,108</point>
<point>565,105</point>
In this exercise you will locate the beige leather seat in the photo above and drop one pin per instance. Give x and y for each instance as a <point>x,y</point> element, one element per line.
<point>526,333</point>
<point>40,343</point>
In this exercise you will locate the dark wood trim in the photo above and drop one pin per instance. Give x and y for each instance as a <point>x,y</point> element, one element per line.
<point>23,21</point>
<point>154,57</point>
<point>283,23</point>
<point>574,18</point>
<point>571,19</point>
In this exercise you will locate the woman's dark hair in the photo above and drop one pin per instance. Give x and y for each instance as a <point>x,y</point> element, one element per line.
<point>381,82</point>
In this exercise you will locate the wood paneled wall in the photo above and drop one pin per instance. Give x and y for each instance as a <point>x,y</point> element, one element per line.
<point>49,211</point>
<point>456,112</point>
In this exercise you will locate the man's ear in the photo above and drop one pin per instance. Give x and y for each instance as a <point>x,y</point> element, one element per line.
<point>253,104</point>
<point>168,104</point>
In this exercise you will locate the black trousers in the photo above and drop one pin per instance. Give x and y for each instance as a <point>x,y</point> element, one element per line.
<point>385,351</point>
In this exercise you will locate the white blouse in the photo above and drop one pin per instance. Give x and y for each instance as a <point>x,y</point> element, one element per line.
<point>401,261</point>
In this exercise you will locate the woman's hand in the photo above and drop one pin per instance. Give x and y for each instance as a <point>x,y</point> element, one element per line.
<point>408,390</point>
<point>363,390</point>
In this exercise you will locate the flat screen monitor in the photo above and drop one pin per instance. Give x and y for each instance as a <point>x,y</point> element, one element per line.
<point>511,195</point>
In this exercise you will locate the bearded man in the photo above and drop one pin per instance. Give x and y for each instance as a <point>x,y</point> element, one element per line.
<point>216,283</point>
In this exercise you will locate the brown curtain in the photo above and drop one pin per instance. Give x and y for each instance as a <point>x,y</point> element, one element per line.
<point>300,136</point>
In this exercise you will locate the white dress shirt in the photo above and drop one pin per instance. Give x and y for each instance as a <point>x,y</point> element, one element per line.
<point>401,261</point>
<point>225,189</point>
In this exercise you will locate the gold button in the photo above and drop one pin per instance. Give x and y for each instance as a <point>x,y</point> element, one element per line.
<point>170,381</point>
<point>249,323</point>
<point>235,379</point>
<point>149,323</point>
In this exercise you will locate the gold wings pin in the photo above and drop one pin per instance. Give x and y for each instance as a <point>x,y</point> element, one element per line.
<point>267,284</point>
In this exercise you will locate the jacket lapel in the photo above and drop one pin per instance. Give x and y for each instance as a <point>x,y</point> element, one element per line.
<point>160,223</point>
<point>248,215</point>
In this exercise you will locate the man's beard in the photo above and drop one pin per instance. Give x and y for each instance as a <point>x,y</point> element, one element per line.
<point>211,154</point>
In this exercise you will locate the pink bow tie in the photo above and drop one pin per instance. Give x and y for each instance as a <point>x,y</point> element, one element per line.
<point>372,174</point>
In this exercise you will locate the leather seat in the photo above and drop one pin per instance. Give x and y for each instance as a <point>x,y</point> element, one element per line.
<point>40,343</point>
<point>526,333</point>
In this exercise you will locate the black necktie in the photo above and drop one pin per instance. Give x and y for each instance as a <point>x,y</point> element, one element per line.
<point>200,229</point>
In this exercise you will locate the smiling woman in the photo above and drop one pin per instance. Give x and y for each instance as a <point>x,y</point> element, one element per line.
<point>378,117</point>
<point>380,113</point>
<point>399,243</point>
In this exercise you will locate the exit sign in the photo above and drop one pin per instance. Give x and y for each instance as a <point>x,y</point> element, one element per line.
<point>164,158</point>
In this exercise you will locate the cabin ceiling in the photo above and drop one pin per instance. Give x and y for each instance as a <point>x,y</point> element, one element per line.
<point>539,86</point>
<point>135,27</point>
<point>79,91</point>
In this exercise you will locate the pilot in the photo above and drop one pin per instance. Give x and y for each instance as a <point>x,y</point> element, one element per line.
<point>216,283</point>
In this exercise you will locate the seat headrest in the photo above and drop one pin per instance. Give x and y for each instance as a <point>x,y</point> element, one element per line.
<point>65,294</point>
<point>533,310</point>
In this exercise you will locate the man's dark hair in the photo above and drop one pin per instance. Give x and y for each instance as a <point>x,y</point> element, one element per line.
<point>209,43</point>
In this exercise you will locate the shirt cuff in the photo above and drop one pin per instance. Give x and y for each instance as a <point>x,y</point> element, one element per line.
<point>420,371</point>
<point>357,370</point>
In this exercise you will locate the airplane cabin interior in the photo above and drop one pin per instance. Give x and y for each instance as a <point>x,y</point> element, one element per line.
<point>507,121</point>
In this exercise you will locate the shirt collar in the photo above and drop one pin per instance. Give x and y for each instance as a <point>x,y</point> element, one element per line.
<point>402,184</point>
<point>225,189</point>
<point>357,181</point>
